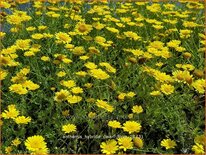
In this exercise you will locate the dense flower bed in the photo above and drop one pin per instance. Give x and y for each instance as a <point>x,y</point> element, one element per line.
<point>102,77</point>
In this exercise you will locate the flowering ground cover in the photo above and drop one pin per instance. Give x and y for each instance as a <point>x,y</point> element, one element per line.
<point>102,77</point>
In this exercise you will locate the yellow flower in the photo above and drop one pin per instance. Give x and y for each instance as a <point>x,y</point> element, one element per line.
<point>195,5</point>
<point>82,28</point>
<point>23,44</point>
<point>199,85</point>
<point>91,114</point>
<point>174,43</point>
<point>109,68</point>
<point>156,44</point>
<point>130,116</point>
<point>48,35</point>
<point>2,34</point>
<point>19,78</point>
<point>69,46</point>
<point>52,88</point>
<point>37,36</point>
<point>104,105</point>
<point>36,145</point>
<point>158,27</point>
<point>4,5</point>
<point>167,89</point>
<point>62,95</point>
<point>99,74</point>
<point>120,24</point>
<point>88,85</point>
<point>162,77</point>
<point>16,142</point>
<point>93,50</point>
<point>198,148</point>
<point>138,142</point>
<point>8,149</point>
<point>132,60</point>
<point>155,93</point>
<point>77,90</point>
<point>29,53</point>
<point>87,38</point>
<point>141,3</point>
<point>45,58</point>
<point>73,99</point>
<point>68,128</point>
<point>66,26</point>
<point>3,74</point>
<point>61,74</point>
<point>169,6</point>
<point>137,109</point>
<point>63,38</point>
<point>185,33</point>
<point>112,29</point>
<point>81,73</point>
<point>42,27</point>
<point>179,75</point>
<point>65,113</point>
<point>125,143</point>
<point>131,127</point>
<point>114,124</point>
<point>121,96</point>
<point>18,88</point>
<point>68,84</point>
<point>183,76</point>
<point>100,39</point>
<point>12,112</point>
<point>90,65</point>
<point>125,19</point>
<point>147,55</point>
<point>22,120</point>
<point>84,57</point>
<point>180,49</point>
<point>168,143</point>
<point>188,67</point>
<point>22,72</point>
<point>14,29</point>
<point>98,25</point>
<point>130,94</point>
<point>35,48</point>
<point>109,147</point>
<point>132,35</point>
<point>155,7</point>
<point>55,15</point>
<point>78,50</point>
<point>30,85</point>
<point>30,28</point>
<point>190,24</point>
<point>187,55</point>
<point>14,19</point>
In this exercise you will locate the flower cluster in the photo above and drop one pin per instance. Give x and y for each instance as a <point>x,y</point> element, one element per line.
<point>102,68</point>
